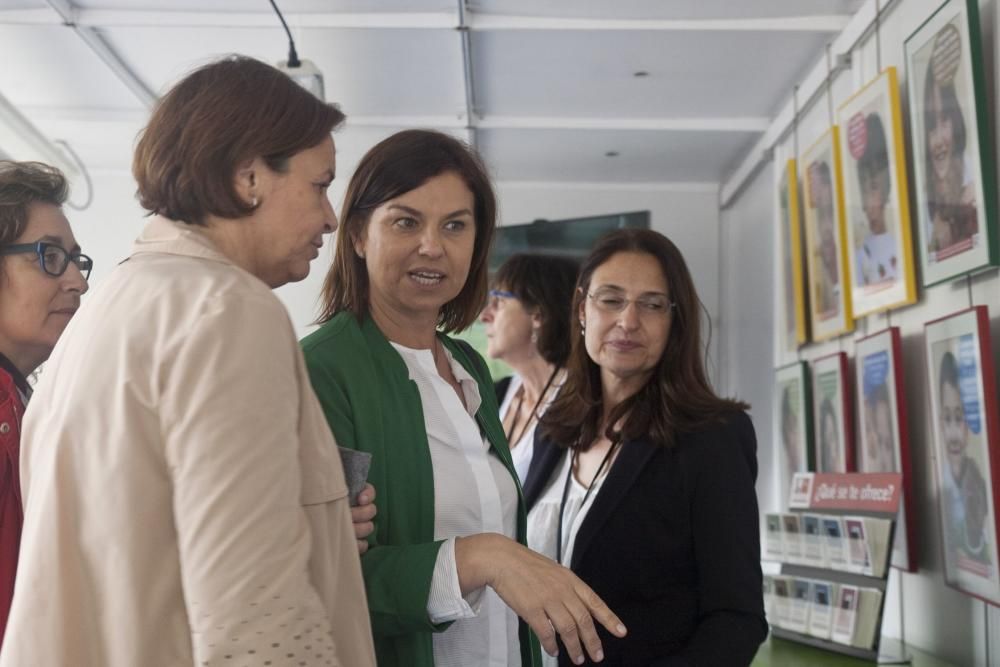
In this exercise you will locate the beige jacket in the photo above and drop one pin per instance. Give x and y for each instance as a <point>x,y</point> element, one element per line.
<point>184,500</point>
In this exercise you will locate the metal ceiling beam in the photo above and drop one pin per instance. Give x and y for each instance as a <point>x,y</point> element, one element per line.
<point>468,83</point>
<point>141,18</point>
<point>828,23</point>
<point>114,18</point>
<point>810,90</point>
<point>93,39</point>
<point>21,140</point>
<point>744,124</point>
<point>728,124</point>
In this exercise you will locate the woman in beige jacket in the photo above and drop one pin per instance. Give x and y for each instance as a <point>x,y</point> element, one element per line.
<point>184,501</point>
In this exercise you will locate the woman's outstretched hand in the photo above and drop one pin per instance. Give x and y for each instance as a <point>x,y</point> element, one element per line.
<point>549,597</point>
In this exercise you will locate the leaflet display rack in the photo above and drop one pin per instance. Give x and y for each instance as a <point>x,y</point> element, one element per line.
<point>850,497</point>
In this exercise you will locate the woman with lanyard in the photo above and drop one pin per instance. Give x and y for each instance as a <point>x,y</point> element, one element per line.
<point>643,481</point>
<point>447,573</point>
<point>42,276</point>
<point>527,327</point>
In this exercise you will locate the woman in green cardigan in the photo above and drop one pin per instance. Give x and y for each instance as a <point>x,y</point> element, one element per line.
<point>447,572</point>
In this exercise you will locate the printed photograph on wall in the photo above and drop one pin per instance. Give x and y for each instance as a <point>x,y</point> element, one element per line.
<point>876,199</point>
<point>884,444</point>
<point>790,307</point>
<point>792,419</point>
<point>833,435</point>
<point>826,256</point>
<point>964,416</point>
<point>953,166</point>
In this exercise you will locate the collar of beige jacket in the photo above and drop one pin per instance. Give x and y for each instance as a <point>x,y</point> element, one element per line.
<point>177,238</point>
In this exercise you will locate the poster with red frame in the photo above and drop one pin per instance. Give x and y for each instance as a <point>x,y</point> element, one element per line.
<point>964,427</point>
<point>885,444</point>
<point>833,435</point>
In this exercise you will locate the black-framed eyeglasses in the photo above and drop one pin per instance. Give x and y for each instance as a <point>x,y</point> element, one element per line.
<point>53,258</point>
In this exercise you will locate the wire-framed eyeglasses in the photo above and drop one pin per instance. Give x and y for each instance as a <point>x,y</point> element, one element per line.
<point>613,301</point>
<point>53,258</point>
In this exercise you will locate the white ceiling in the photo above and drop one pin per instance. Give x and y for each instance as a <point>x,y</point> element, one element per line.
<point>553,86</point>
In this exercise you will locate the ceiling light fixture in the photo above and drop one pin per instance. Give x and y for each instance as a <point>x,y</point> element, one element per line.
<point>302,72</point>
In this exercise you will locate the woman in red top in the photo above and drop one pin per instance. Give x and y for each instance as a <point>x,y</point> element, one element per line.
<point>42,276</point>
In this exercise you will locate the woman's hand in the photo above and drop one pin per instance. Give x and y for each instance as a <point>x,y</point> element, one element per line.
<point>362,515</point>
<point>548,596</point>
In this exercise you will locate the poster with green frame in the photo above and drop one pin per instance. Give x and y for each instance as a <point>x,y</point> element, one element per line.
<point>793,427</point>
<point>953,166</point>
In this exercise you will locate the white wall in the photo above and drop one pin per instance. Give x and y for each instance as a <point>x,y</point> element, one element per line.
<point>688,214</point>
<point>919,607</point>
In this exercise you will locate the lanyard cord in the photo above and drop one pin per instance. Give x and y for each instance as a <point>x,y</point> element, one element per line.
<point>534,410</point>
<point>565,494</point>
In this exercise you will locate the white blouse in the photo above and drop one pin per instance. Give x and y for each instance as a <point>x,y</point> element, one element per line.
<point>543,519</point>
<point>473,493</point>
<point>522,450</point>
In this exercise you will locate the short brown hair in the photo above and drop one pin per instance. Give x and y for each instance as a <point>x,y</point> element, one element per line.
<point>544,283</point>
<point>395,166</point>
<point>21,185</point>
<point>677,397</point>
<point>216,118</point>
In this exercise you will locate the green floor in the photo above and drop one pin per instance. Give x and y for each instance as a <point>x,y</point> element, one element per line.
<point>782,653</point>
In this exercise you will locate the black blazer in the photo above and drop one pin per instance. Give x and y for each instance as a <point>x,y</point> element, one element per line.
<point>500,387</point>
<point>672,545</point>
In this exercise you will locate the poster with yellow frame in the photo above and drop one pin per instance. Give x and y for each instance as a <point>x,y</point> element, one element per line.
<point>826,238</point>
<point>792,324</point>
<point>876,197</point>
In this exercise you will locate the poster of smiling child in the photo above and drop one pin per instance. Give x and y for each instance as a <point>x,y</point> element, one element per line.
<point>964,412</point>
<point>876,199</point>
<point>951,158</point>
<point>884,444</point>
<point>834,429</point>
<point>826,259</point>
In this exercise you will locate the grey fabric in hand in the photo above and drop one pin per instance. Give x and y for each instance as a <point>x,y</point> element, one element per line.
<point>356,465</point>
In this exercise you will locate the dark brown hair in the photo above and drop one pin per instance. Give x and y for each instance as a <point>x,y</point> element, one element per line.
<point>216,118</point>
<point>544,283</point>
<point>21,185</point>
<point>395,166</point>
<point>677,397</point>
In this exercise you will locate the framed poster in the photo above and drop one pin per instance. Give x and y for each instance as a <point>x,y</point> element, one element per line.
<point>885,444</point>
<point>876,199</point>
<point>834,428</point>
<point>826,256</point>
<point>953,166</point>
<point>791,310</point>
<point>964,426</point>
<point>793,425</point>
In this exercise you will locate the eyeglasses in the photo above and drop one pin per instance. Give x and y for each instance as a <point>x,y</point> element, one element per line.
<point>53,259</point>
<point>612,301</point>
<point>495,295</point>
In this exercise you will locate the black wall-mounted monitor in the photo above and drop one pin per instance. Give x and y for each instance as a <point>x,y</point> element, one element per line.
<point>573,237</point>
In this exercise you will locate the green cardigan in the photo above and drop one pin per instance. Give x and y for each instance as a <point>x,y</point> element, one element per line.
<point>373,406</point>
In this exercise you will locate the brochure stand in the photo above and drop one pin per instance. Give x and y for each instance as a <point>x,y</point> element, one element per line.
<point>850,576</point>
